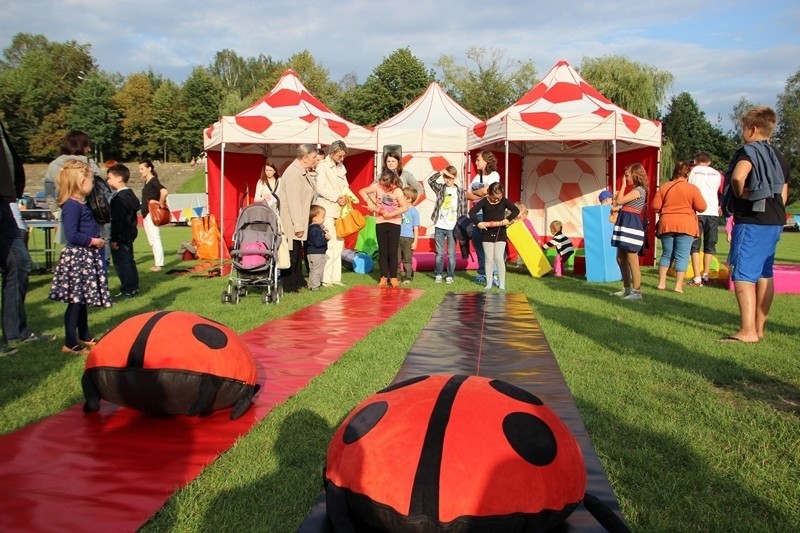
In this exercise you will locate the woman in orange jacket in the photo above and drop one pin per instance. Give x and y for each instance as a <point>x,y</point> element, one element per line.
<point>677,203</point>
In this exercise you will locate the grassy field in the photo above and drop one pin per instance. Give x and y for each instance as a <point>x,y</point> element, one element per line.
<point>693,434</point>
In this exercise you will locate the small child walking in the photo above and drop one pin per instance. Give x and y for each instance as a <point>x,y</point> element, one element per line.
<point>493,230</point>
<point>79,280</point>
<point>409,235</point>
<point>316,246</point>
<point>124,210</point>
<point>562,245</point>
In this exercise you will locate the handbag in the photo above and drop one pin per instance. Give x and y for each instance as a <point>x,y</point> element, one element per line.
<point>350,222</point>
<point>159,215</point>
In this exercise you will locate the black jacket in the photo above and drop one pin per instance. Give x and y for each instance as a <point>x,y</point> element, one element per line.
<point>124,211</point>
<point>12,173</point>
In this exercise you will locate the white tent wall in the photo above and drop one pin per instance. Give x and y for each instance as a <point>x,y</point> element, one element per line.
<point>556,186</point>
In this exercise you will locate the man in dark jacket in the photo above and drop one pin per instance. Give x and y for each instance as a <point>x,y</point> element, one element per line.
<point>12,185</point>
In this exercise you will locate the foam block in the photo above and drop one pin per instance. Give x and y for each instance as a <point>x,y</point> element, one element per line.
<point>358,262</point>
<point>785,277</point>
<point>426,262</point>
<point>528,248</point>
<point>601,262</point>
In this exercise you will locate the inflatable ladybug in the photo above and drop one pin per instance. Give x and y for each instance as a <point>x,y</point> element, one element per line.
<point>453,453</point>
<point>170,362</point>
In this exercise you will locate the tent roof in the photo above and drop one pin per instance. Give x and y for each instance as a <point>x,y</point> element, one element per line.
<point>434,122</point>
<point>563,107</point>
<point>288,114</point>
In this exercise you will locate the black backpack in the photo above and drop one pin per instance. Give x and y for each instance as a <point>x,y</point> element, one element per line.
<point>99,200</point>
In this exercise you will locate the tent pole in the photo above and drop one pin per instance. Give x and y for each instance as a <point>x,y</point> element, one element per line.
<point>614,166</point>
<point>506,184</point>
<point>221,207</point>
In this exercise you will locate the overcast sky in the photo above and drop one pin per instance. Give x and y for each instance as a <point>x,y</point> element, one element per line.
<point>717,50</point>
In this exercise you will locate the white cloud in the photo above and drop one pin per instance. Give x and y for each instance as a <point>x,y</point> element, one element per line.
<point>717,50</point>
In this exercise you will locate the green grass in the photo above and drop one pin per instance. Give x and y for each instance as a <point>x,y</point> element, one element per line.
<point>195,184</point>
<point>693,434</point>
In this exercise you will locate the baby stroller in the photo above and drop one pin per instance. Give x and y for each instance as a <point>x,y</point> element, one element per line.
<point>256,239</point>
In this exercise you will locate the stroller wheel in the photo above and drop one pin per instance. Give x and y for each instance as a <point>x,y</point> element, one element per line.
<point>265,297</point>
<point>235,297</point>
<point>225,297</point>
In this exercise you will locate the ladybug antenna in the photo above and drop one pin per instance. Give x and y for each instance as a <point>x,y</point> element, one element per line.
<point>604,515</point>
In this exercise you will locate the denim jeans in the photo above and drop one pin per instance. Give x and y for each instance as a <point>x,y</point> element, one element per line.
<point>125,265</point>
<point>440,236</point>
<point>15,263</point>
<point>675,247</point>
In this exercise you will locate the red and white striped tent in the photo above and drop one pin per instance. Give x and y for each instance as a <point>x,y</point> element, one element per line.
<point>433,132</point>
<point>237,146</point>
<point>568,140</point>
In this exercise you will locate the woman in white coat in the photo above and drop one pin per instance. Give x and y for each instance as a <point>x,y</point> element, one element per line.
<point>331,190</point>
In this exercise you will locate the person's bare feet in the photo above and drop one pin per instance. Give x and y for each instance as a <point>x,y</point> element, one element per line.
<point>679,289</point>
<point>739,337</point>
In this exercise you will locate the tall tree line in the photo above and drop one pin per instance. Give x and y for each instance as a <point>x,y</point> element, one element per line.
<point>48,88</point>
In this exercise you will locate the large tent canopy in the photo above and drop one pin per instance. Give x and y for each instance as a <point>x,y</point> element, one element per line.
<point>433,132</point>
<point>567,142</point>
<point>289,115</point>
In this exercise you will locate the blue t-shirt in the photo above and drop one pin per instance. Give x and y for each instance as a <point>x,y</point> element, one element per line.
<point>409,220</point>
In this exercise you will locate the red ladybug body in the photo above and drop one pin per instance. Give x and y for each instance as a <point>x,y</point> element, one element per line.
<point>453,453</point>
<point>170,363</point>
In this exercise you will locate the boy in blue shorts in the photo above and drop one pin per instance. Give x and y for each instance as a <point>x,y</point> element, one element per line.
<point>756,193</point>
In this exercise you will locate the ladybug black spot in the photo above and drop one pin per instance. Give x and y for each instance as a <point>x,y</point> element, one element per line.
<point>211,336</point>
<point>364,421</point>
<point>531,438</point>
<point>515,392</point>
<point>402,384</point>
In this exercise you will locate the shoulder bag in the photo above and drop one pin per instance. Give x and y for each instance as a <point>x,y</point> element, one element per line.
<point>350,222</point>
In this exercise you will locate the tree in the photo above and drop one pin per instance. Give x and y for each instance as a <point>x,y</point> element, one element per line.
<point>92,110</point>
<point>637,88</point>
<point>736,117</point>
<point>134,101</point>
<point>495,83</point>
<point>686,126</point>
<point>37,78</point>
<point>202,98</point>
<point>168,115</point>
<point>399,80</point>
<point>315,77</point>
<point>787,135</point>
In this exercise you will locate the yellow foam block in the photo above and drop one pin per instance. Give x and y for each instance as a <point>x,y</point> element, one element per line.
<point>528,249</point>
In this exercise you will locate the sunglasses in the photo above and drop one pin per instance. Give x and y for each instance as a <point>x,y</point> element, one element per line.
<point>448,176</point>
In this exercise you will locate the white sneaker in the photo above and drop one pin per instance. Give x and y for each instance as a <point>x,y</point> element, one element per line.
<point>448,280</point>
<point>634,295</point>
<point>438,279</point>
<point>622,293</point>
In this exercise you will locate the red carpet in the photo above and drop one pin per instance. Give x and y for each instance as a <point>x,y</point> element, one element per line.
<point>112,470</point>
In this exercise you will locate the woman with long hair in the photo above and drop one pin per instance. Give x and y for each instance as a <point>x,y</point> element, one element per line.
<point>267,184</point>
<point>392,161</point>
<point>152,190</point>
<point>629,232</point>
<point>386,200</point>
